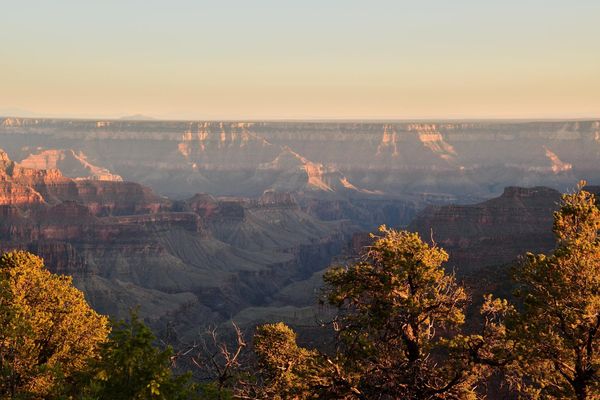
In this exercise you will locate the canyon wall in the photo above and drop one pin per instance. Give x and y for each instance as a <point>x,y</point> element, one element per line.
<point>493,232</point>
<point>284,199</point>
<point>187,263</point>
<point>463,161</point>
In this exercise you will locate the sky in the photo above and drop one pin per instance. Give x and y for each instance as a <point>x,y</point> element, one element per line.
<point>304,59</point>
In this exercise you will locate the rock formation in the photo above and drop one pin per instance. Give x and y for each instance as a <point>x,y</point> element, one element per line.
<point>187,262</point>
<point>284,199</point>
<point>69,163</point>
<point>464,160</point>
<point>493,232</point>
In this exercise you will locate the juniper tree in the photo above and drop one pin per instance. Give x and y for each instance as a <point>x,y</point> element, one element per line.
<point>400,316</point>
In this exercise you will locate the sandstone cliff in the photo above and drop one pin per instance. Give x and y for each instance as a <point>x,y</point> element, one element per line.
<point>493,232</point>
<point>468,160</point>
<point>189,262</point>
<point>69,163</point>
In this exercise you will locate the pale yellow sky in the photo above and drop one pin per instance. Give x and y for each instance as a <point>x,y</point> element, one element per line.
<point>337,59</point>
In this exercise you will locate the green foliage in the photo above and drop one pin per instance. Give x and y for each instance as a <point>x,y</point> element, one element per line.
<point>288,371</point>
<point>131,367</point>
<point>283,370</point>
<point>398,330</point>
<point>557,329</point>
<point>212,391</point>
<point>47,330</point>
<point>54,346</point>
<point>400,315</point>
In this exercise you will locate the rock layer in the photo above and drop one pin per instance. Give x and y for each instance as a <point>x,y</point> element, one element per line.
<point>188,262</point>
<point>71,164</point>
<point>468,160</point>
<point>493,232</point>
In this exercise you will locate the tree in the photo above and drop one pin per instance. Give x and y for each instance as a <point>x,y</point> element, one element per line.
<point>557,328</point>
<point>284,369</point>
<point>130,367</point>
<point>398,332</point>
<point>400,316</point>
<point>218,363</point>
<point>47,330</point>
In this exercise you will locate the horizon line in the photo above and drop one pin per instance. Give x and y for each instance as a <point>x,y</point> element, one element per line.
<point>310,119</point>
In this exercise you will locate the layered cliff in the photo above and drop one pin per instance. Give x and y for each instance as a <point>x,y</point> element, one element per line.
<point>493,232</point>
<point>25,186</point>
<point>189,262</point>
<point>69,163</point>
<point>473,159</point>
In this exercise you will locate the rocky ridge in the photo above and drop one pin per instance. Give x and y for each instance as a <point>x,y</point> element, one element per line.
<point>69,163</point>
<point>493,232</point>
<point>469,160</point>
<point>188,262</point>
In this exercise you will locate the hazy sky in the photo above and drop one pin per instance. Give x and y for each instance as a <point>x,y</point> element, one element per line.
<point>254,59</point>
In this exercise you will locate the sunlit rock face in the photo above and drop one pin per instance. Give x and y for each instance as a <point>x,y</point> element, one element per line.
<point>189,263</point>
<point>71,164</point>
<point>457,159</point>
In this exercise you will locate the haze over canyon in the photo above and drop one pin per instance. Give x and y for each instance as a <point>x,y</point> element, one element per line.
<point>201,222</point>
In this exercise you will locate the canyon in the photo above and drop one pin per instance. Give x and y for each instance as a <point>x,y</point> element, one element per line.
<point>188,262</point>
<point>204,222</point>
<point>454,161</point>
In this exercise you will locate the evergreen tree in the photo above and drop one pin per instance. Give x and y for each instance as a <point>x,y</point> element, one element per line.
<point>557,329</point>
<point>285,370</point>
<point>400,317</point>
<point>398,332</point>
<point>131,367</point>
<point>47,330</point>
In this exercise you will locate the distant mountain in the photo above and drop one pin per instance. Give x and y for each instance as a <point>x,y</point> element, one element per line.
<point>137,117</point>
<point>17,112</point>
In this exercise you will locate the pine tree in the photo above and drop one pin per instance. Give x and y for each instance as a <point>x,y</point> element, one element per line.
<point>284,370</point>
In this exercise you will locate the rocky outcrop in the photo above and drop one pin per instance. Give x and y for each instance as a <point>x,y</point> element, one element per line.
<point>69,163</point>
<point>25,186</point>
<point>493,232</point>
<point>18,184</point>
<point>293,172</point>
<point>201,260</point>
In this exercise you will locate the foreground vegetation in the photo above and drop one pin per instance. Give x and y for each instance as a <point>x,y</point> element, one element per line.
<point>399,332</point>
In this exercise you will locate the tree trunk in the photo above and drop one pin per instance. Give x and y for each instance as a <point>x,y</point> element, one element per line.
<point>580,387</point>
